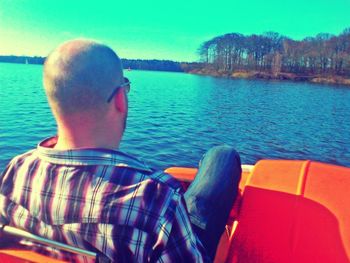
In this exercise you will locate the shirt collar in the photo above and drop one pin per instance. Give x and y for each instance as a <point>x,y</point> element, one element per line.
<point>87,156</point>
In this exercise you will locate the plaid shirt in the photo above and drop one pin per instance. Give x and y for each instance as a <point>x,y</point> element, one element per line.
<point>101,200</point>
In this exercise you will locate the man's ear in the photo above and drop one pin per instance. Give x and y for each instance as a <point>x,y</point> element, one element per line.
<point>120,101</point>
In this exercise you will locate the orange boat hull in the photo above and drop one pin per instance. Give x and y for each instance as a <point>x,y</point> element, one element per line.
<point>287,211</point>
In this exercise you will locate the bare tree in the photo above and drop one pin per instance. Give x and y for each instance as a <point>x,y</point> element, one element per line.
<point>272,52</point>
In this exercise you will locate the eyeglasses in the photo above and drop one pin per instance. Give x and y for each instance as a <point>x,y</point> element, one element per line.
<point>126,86</point>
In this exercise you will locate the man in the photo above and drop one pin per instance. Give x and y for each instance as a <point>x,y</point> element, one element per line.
<point>78,189</point>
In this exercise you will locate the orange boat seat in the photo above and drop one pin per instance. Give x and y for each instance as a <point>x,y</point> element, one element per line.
<point>25,256</point>
<point>294,212</point>
<point>290,212</point>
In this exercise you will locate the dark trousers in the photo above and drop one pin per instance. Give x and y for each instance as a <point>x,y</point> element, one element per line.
<point>210,197</point>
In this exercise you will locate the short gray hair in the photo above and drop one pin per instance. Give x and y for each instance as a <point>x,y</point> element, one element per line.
<point>79,76</point>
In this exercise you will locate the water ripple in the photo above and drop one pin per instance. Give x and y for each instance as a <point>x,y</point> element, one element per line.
<point>174,118</point>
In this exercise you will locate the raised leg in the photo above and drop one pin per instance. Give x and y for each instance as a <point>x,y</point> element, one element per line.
<point>210,197</point>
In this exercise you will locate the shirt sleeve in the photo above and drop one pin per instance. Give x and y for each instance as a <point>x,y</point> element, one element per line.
<point>183,244</point>
<point>6,183</point>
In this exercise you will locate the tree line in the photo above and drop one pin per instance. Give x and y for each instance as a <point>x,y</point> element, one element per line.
<point>22,59</point>
<point>271,52</point>
<point>160,65</point>
<point>153,64</point>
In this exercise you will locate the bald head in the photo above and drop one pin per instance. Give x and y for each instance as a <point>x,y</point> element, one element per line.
<point>79,76</point>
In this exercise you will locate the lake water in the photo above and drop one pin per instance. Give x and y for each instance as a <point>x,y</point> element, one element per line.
<point>174,117</point>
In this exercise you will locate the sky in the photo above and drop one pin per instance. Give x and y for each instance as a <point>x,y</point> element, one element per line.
<point>159,29</point>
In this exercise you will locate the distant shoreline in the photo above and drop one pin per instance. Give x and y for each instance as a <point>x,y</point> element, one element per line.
<point>324,58</point>
<point>142,64</point>
<point>198,69</point>
<point>321,79</point>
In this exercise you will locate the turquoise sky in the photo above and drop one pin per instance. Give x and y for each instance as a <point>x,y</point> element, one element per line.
<point>159,29</point>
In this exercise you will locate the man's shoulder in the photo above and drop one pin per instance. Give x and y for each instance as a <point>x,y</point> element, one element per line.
<point>19,159</point>
<point>24,155</point>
